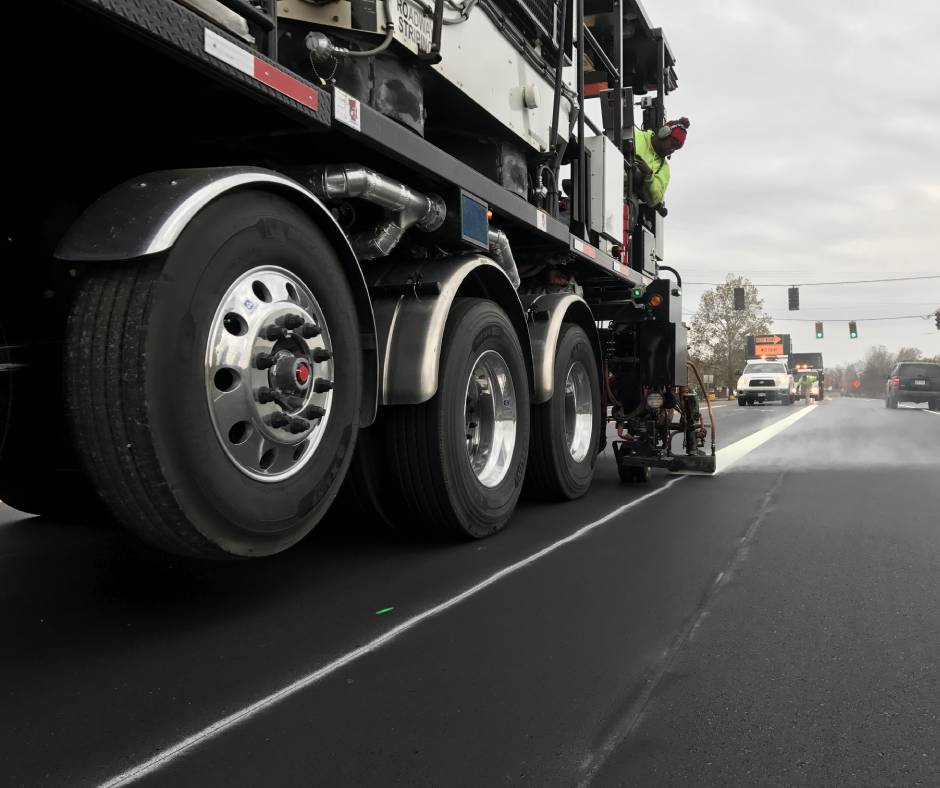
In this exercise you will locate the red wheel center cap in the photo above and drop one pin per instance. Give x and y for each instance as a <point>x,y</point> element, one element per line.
<point>302,373</point>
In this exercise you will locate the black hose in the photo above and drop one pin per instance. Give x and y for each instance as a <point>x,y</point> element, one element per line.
<point>673,270</point>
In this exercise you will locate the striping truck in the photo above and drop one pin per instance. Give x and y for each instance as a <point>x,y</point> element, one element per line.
<point>809,374</point>
<point>260,252</point>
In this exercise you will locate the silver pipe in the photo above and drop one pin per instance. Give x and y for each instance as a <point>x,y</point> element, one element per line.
<point>321,48</point>
<point>502,253</point>
<point>404,207</point>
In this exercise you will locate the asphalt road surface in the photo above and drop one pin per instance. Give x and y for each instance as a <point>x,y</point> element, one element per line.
<point>778,624</point>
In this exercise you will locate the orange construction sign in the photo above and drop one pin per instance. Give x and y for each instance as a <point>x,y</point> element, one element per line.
<point>767,346</point>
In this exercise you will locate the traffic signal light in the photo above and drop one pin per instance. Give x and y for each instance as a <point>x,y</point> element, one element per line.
<point>819,330</point>
<point>738,299</point>
<point>853,330</point>
<point>794,295</point>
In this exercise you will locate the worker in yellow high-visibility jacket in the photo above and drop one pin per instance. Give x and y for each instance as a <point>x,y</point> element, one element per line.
<point>652,150</point>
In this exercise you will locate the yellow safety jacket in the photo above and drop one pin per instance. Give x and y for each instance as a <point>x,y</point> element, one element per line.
<point>654,187</point>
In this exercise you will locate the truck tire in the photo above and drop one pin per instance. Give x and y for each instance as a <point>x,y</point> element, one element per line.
<point>170,396</point>
<point>892,403</point>
<point>742,402</point>
<point>459,459</point>
<point>565,430</point>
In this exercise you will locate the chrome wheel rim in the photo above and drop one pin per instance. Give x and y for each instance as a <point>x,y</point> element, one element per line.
<point>269,373</point>
<point>490,418</point>
<point>579,412</point>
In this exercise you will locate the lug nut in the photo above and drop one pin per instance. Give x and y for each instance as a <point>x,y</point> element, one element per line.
<point>291,321</point>
<point>309,330</point>
<point>299,425</point>
<point>321,385</point>
<point>266,395</point>
<point>264,360</point>
<point>321,354</point>
<point>278,420</point>
<point>314,412</point>
<point>273,333</point>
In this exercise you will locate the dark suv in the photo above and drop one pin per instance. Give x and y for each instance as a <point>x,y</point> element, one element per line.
<point>914,381</point>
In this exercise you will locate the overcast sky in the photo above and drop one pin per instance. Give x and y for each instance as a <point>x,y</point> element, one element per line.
<point>814,155</point>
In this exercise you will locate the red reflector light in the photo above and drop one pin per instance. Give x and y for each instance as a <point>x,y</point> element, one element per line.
<point>896,380</point>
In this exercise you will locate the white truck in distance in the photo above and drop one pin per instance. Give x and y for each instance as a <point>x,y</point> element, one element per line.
<point>766,381</point>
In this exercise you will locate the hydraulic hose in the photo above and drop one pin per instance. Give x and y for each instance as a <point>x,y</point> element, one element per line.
<point>322,49</point>
<point>711,415</point>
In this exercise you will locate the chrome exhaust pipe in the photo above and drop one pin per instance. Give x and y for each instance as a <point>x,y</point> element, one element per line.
<point>501,252</point>
<point>404,207</point>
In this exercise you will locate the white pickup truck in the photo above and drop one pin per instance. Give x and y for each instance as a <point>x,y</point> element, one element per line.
<point>766,381</point>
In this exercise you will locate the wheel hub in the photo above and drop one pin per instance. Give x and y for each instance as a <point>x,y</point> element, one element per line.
<point>269,373</point>
<point>579,412</point>
<point>490,418</point>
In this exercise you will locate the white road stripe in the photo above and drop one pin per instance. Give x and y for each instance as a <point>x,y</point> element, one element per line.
<point>726,457</point>
<point>731,454</point>
<point>933,412</point>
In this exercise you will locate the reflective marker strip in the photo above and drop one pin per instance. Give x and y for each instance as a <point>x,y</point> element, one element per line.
<point>258,69</point>
<point>586,249</point>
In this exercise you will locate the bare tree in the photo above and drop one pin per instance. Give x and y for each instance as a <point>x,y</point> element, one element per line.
<point>908,354</point>
<point>879,362</point>
<point>717,333</point>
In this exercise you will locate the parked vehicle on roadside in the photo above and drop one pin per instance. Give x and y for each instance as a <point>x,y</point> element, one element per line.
<point>914,381</point>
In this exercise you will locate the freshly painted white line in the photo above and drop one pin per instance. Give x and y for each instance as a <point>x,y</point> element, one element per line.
<point>933,412</point>
<point>731,454</point>
<point>213,730</point>
<point>726,457</point>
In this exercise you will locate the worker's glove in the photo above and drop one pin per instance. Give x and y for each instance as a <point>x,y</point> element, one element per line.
<point>644,168</point>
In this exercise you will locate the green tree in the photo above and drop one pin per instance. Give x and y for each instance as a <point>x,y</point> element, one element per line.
<point>717,334</point>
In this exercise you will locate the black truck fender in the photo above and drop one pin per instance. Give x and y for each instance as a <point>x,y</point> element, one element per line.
<point>547,314</point>
<point>144,216</point>
<point>412,301</point>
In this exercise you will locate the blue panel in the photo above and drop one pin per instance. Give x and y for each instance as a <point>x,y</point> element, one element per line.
<point>474,226</point>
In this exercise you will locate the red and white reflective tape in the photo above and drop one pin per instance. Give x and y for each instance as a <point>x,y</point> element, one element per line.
<point>586,249</point>
<point>258,69</point>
